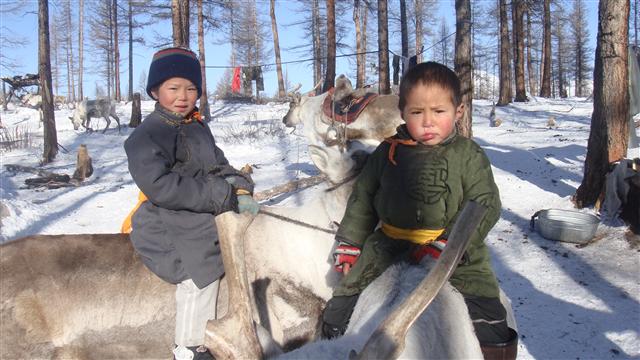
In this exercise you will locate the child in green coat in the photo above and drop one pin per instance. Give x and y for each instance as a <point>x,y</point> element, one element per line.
<point>414,186</point>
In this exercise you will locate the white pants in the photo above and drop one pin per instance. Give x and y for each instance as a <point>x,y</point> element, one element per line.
<point>194,307</point>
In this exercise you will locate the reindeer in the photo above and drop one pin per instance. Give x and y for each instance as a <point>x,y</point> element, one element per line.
<point>86,109</point>
<point>90,296</point>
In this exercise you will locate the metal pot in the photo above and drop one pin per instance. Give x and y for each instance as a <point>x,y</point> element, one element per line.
<point>565,225</point>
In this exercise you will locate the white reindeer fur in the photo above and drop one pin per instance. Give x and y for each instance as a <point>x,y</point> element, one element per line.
<point>443,331</point>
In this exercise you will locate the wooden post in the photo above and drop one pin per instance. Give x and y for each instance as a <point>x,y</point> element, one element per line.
<point>136,112</point>
<point>84,168</point>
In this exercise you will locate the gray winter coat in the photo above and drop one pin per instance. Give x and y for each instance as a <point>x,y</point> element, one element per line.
<point>186,179</point>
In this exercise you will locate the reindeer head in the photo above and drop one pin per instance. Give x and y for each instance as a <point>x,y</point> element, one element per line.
<point>292,118</point>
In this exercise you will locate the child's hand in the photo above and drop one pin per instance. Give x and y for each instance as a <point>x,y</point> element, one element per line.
<point>247,204</point>
<point>345,256</point>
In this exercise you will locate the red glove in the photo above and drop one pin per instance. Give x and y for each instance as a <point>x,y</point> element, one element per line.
<point>345,254</point>
<point>433,249</point>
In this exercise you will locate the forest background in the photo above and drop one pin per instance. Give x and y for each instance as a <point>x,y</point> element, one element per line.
<point>489,35</point>
<point>230,40</point>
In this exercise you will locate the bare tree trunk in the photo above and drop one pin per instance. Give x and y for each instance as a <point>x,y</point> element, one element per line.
<point>403,32</point>
<point>53,50</point>
<point>365,18</point>
<point>130,24</point>
<point>109,57</point>
<point>360,60</point>
<point>317,44</point>
<point>68,61</point>
<point>518,63</point>
<point>330,73</point>
<point>276,50</point>
<point>204,99</point>
<point>419,9</point>
<point>545,87</point>
<point>530,70</point>
<point>44,71</point>
<point>116,51</point>
<point>635,22</point>
<point>504,97</point>
<point>70,69</point>
<point>80,49</point>
<point>180,22</point>
<point>609,134</point>
<point>562,86</point>
<point>136,111</point>
<point>384,84</point>
<point>463,66</point>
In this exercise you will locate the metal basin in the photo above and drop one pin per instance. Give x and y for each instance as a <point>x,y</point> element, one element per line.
<point>565,225</point>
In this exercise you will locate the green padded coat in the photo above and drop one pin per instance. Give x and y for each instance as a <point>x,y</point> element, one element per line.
<point>427,188</point>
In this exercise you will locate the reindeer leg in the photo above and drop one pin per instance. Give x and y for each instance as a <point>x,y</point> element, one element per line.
<point>234,336</point>
<point>106,117</point>
<point>117,121</point>
<point>387,342</point>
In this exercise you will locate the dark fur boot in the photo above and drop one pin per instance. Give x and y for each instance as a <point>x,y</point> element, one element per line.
<point>503,351</point>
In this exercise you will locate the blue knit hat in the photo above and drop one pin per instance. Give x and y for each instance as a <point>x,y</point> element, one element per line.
<point>174,62</point>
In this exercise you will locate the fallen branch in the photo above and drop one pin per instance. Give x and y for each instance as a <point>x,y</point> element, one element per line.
<point>291,186</point>
<point>47,179</point>
<point>21,168</point>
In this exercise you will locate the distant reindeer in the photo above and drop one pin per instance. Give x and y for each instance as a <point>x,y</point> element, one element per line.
<point>86,109</point>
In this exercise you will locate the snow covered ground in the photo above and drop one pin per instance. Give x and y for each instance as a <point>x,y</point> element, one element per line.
<point>570,302</point>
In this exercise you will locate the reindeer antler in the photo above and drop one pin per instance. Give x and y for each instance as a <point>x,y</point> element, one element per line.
<point>313,91</point>
<point>292,93</point>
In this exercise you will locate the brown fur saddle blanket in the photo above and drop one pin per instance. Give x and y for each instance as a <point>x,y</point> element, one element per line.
<point>346,110</point>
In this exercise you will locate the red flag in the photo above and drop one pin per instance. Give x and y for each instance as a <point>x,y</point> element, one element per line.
<point>235,83</point>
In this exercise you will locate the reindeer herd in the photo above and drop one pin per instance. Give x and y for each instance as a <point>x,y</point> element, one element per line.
<point>90,296</point>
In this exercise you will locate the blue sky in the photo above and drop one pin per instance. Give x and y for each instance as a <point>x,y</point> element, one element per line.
<point>216,55</point>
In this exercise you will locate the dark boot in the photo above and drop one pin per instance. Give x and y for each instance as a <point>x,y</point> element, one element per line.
<point>501,351</point>
<point>336,315</point>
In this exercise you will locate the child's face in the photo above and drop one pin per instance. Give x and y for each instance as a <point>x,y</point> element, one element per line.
<point>430,113</point>
<point>177,95</point>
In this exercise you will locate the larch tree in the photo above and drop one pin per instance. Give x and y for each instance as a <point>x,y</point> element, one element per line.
<point>54,48</point>
<point>404,34</point>
<point>384,85</point>
<point>581,50</point>
<point>505,94</point>
<point>204,98</point>
<point>418,9</point>
<point>559,21</point>
<point>116,52</point>
<point>249,36</point>
<point>463,66</point>
<point>66,28</point>
<point>635,21</point>
<point>318,53</point>
<point>276,49</point>
<point>358,10</point>
<point>44,71</point>
<point>80,49</point>
<point>545,82</point>
<point>330,71</point>
<point>531,46</point>
<point>180,22</point>
<point>609,133</point>
<point>518,11</point>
